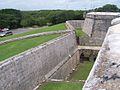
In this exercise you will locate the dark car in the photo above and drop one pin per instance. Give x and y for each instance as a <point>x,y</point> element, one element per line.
<point>5,33</point>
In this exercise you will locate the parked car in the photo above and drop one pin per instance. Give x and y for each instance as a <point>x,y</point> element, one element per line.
<point>5,33</point>
<point>0,29</point>
<point>5,29</point>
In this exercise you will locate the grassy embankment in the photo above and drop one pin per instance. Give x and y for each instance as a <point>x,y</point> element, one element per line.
<point>48,29</point>
<point>14,48</point>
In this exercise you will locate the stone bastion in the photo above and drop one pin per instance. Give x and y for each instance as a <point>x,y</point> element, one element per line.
<point>96,25</point>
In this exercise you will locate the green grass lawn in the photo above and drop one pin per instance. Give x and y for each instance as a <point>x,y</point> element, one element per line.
<point>82,71</point>
<point>62,86</point>
<point>50,28</point>
<point>79,32</point>
<point>13,48</point>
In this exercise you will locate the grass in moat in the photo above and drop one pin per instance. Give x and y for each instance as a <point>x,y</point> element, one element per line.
<point>61,86</point>
<point>48,29</point>
<point>14,48</point>
<point>82,71</point>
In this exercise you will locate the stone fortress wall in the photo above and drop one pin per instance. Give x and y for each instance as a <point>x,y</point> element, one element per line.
<point>28,69</point>
<point>105,74</point>
<point>96,25</point>
<point>73,24</point>
<point>48,61</point>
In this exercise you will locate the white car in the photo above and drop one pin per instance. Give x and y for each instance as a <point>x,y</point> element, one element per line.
<point>5,33</point>
<point>5,29</point>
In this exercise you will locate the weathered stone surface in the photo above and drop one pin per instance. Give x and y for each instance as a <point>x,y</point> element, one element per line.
<point>96,26</point>
<point>28,69</point>
<point>65,69</point>
<point>105,74</point>
<point>73,24</point>
<point>115,21</point>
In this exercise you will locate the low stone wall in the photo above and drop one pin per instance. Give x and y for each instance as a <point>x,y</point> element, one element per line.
<point>84,40</point>
<point>34,35</point>
<point>28,69</point>
<point>69,26</point>
<point>105,74</point>
<point>73,24</point>
<point>89,41</point>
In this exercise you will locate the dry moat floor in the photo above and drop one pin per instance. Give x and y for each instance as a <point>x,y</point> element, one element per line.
<point>74,82</point>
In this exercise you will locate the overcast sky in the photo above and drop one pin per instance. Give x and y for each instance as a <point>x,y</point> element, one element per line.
<point>55,4</point>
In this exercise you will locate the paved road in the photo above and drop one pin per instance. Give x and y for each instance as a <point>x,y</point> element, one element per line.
<point>22,30</point>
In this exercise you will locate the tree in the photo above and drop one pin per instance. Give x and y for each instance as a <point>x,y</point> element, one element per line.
<point>10,18</point>
<point>108,8</point>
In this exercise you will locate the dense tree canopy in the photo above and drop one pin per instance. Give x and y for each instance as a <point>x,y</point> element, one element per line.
<point>11,18</point>
<point>44,17</point>
<point>108,8</point>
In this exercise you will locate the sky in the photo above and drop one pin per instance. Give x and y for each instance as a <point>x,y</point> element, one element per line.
<point>55,4</point>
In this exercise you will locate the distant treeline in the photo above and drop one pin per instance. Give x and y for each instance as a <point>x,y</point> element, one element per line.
<point>49,17</point>
<point>11,18</point>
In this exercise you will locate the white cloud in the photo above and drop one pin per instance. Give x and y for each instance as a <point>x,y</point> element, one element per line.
<point>54,4</point>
